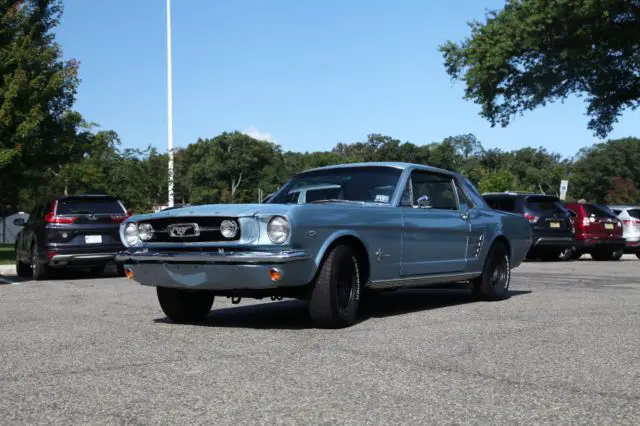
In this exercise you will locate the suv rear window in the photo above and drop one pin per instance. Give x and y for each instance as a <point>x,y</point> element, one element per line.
<point>634,213</point>
<point>593,210</point>
<point>547,205</point>
<point>70,206</point>
<point>506,204</point>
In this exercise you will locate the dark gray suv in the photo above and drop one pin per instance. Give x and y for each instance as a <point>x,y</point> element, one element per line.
<point>70,231</point>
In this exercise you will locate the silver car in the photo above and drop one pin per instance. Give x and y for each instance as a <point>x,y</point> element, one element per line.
<point>630,216</point>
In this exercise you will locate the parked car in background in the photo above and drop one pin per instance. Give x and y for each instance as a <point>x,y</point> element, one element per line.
<point>552,230</point>
<point>389,226</point>
<point>70,231</point>
<point>630,217</point>
<point>598,232</point>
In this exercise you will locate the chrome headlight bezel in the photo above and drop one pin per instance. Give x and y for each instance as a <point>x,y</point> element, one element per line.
<point>229,228</point>
<point>130,234</point>
<point>278,229</point>
<point>145,231</point>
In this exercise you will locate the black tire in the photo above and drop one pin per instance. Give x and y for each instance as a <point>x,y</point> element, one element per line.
<point>39,270</point>
<point>566,254</point>
<point>617,255</point>
<point>603,255</point>
<point>638,254</point>
<point>98,270</point>
<point>185,306</point>
<point>549,255</point>
<point>335,298</point>
<point>575,254</point>
<point>496,275</point>
<point>22,269</point>
<point>121,271</point>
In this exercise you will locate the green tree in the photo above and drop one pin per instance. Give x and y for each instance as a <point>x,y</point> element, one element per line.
<point>536,51</point>
<point>37,90</point>
<point>497,181</point>
<point>623,191</point>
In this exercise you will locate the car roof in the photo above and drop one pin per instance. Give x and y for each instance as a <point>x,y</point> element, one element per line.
<point>392,164</point>
<point>86,196</point>
<point>517,194</point>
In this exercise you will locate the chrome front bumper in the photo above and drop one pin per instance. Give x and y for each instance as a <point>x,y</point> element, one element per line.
<point>240,270</point>
<point>242,257</point>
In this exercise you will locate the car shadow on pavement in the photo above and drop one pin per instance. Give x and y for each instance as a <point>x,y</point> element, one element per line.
<point>293,315</point>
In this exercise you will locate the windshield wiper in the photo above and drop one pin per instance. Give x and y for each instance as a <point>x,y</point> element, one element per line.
<point>337,200</point>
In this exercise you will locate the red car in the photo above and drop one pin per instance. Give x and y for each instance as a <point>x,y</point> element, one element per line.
<point>597,232</point>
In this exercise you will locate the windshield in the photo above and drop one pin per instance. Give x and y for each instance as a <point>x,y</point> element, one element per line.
<point>597,211</point>
<point>70,206</point>
<point>634,213</point>
<point>545,205</point>
<point>360,184</point>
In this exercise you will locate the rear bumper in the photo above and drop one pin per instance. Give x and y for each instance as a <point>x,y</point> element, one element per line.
<point>600,243</point>
<point>632,245</point>
<point>219,271</point>
<point>58,256</point>
<point>552,241</point>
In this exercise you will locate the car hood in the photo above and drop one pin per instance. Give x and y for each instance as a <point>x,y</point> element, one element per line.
<point>233,210</point>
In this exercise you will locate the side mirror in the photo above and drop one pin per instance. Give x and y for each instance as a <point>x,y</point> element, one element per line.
<point>19,222</point>
<point>424,202</point>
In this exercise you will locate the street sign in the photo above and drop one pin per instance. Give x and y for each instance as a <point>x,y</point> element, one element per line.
<point>564,185</point>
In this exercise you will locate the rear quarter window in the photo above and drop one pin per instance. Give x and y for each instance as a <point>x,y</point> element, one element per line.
<point>93,206</point>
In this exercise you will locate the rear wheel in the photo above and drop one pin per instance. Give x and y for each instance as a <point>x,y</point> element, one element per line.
<point>39,270</point>
<point>496,275</point>
<point>638,254</point>
<point>22,269</point>
<point>566,254</point>
<point>183,306</point>
<point>604,255</point>
<point>335,298</point>
<point>617,255</point>
<point>549,255</point>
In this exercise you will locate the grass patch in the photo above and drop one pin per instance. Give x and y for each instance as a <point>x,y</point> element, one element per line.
<point>7,255</point>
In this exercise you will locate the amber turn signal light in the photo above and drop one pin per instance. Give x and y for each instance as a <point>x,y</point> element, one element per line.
<point>274,274</point>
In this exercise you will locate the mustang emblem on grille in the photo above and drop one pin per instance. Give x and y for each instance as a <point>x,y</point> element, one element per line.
<point>184,230</point>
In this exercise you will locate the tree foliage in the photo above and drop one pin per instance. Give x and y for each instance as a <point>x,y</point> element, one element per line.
<point>536,51</point>
<point>38,129</point>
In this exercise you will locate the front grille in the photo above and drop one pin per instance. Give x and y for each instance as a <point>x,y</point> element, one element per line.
<point>209,229</point>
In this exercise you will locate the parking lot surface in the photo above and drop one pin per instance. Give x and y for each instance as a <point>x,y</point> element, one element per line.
<point>565,348</point>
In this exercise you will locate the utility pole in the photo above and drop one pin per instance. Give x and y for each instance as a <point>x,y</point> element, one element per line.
<point>170,106</point>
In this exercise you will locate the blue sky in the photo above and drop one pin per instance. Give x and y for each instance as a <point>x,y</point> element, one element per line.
<point>305,74</point>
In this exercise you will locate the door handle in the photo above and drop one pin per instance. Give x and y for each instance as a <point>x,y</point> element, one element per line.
<point>464,215</point>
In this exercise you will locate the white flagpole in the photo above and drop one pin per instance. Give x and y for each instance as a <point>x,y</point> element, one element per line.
<point>170,105</point>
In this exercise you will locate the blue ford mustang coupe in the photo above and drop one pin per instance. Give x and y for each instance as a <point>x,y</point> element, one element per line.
<point>328,236</point>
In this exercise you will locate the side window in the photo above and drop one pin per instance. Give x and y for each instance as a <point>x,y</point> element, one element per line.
<point>463,199</point>
<point>438,190</point>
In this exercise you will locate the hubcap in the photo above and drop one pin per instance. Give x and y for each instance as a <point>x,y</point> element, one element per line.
<point>346,284</point>
<point>499,273</point>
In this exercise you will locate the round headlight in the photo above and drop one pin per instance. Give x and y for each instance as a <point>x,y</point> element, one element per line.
<point>145,231</point>
<point>278,229</point>
<point>229,228</point>
<point>131,234</point>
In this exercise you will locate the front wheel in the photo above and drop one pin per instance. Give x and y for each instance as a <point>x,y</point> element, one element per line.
<point>604,255</point>
<point>22,269</point>
<point>494,282</point>
<point>335,298</point>
<point>184,306</point>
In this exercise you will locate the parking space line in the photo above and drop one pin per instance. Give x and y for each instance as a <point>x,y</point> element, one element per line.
<point>4,280</point>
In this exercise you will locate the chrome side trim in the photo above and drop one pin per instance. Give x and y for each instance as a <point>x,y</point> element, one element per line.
<point>252,257</point>
<point>423,280</point>
<point>65,257</point>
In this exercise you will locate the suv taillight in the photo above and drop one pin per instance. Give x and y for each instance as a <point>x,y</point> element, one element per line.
<point>586,221</point>
<point>531,218</point>
<point>52,218</point>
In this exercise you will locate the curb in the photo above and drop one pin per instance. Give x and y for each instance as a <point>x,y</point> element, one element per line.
<point>7,269</point>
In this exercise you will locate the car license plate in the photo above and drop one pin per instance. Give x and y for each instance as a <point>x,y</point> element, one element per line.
<point>608,226</point>
<point>554,224</point>
<point>93,239</point>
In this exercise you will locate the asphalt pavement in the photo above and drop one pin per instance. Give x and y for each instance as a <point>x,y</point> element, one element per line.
<point>564,349</point>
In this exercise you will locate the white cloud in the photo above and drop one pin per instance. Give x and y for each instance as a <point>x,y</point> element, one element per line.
<point>257,134</point>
